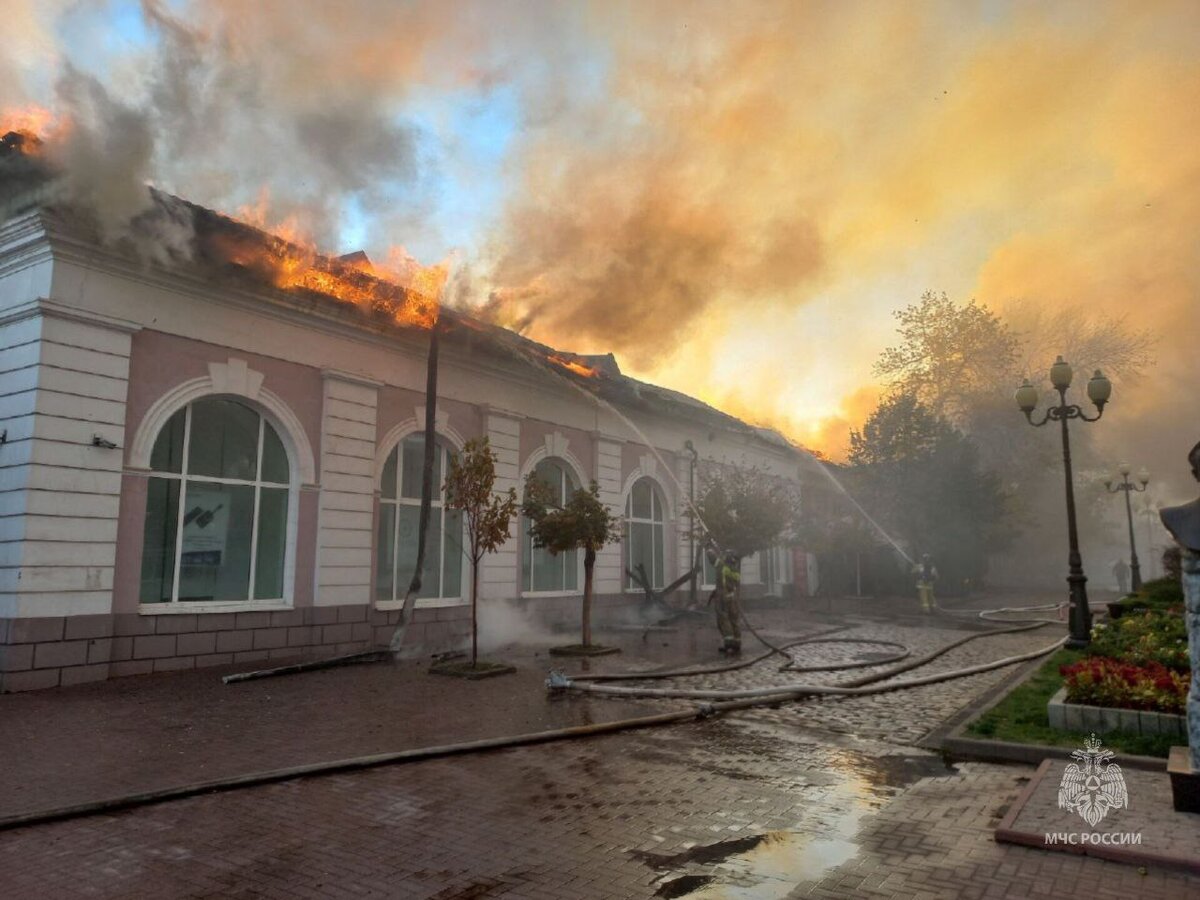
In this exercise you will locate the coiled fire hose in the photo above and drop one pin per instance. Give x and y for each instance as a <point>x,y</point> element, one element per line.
<point>875,683</point>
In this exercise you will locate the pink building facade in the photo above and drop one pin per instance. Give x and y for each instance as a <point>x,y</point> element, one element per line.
<point>199,473</point>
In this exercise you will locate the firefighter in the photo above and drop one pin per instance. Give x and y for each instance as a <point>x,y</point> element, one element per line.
<point>927,574</point>
<point>728,608</point>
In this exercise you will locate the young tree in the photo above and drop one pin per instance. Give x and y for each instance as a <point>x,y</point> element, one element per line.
<point>486,514</point>
<point>582,523</point>
<point>741,510</point>
<point>744,509</point>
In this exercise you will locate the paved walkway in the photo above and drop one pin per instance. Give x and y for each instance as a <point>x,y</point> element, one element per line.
<point>825,799</point>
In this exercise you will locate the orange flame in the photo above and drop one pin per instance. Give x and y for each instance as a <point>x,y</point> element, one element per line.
<point>34,124</point>
<point>573,365</point>
<point>288,258</point>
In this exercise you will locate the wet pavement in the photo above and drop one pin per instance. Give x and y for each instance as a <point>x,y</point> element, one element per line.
<point>825,798</point>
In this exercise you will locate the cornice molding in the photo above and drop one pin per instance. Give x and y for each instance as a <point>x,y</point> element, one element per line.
<point>350,378</point>
<point>56,310</point>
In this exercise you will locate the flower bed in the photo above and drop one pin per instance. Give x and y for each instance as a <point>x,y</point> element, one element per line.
<point>1139,662</point>
<point>1100,681</point>
<point>1143,638</point>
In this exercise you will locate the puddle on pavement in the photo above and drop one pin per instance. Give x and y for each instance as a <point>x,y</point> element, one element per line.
<point>761,867</point>
<point>847,785</point>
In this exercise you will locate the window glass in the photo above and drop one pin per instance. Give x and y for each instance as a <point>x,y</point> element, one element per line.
<point>659,560</point>
<point>642,500</point>
<point>234,528</point>
<point>646,535</point>
<point>570,562</point>
<point>452,564</point>
<point>274,457</point>
<point>214,560</point>
<point>540,569</point>
<point>387,487</point>
<point>272,540</point>
<point>224,440</point>
<point>167,455</point>
<point>408,518</point>
<point>413,465</point>
<point>385,549</point>
<point>548,570</point>
<point>399,519</point>
<point>158,540</point>
<point>641,550</point>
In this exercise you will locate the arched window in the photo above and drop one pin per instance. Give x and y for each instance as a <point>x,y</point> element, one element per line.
<point>644,537</point>
<point>542,570</point>
<point>399,518</point>
<point>227,540</point>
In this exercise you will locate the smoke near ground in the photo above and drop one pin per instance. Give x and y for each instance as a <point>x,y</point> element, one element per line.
<point>503,623</point>
<point>733,198</point>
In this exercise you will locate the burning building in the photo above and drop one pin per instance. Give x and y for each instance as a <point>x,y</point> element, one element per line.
<point>216,458</point>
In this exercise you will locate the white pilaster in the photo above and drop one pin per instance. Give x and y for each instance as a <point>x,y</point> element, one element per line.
<point>345,531</point>
<point>499,572</point>
<point>681,525</point>
<point>65,374</point>
<point>607,454</point>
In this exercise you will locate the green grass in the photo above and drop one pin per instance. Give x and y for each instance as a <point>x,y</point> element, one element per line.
<point>1021,716</point>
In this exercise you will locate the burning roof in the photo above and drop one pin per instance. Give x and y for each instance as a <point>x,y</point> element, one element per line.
<point>232,252</point>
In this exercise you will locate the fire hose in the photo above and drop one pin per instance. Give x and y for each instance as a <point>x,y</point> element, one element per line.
<point>869,684</point>
<point>726,701</point>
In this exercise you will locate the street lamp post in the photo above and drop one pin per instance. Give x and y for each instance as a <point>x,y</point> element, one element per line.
<point>1099,389</point>
<point>1126,486</point>
<point>1150,514</point>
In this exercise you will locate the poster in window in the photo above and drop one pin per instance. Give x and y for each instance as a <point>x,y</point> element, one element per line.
<point>205,526</point>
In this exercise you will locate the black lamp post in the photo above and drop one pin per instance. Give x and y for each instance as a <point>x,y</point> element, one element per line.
<point>1099,389</point>
<point>1150,514</point>
<point>1125,487</point>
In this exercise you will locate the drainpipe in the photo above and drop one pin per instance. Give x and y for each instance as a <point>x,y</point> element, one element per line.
<point>690,449</point>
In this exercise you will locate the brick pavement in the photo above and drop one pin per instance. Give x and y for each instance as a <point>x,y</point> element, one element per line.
<point>768,803</point>
<point>771,811</point>
<point>1149,814</point>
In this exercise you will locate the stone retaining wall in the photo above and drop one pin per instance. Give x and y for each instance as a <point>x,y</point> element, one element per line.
<point>65,650</point>
<point>1102,719</point>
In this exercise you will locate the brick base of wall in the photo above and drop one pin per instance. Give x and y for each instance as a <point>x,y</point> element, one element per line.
<point>61,651</point>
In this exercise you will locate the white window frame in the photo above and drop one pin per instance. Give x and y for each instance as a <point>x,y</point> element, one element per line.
<point>778,571</point>
<point>445,447</point>
<point>566,488</point>
<point>656,500</point>
<point>175,606</point>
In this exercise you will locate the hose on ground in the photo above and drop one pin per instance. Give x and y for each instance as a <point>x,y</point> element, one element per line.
<point>867,684</point>
<point>782,693</point>
<point>700,712</point>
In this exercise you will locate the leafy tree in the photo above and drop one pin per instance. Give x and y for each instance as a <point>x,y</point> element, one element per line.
<point>923,478</point>
<point>963,362</point>
<point>949,356</point>
<point>1088,338</point>
<point>582,523</point>
<point>744,509</point>
<point>486,514</point>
